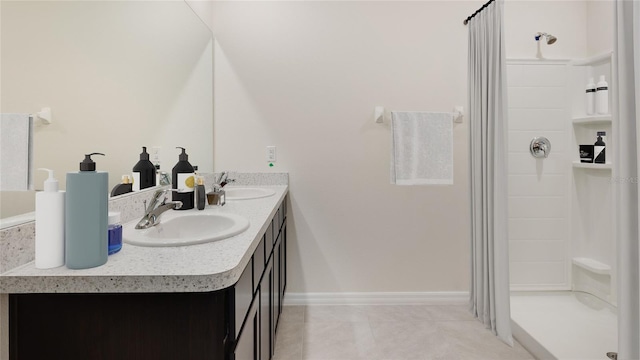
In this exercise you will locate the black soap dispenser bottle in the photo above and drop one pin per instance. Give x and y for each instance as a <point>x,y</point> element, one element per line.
<point>86,211</point>
<point>598,149</point>
<point>182,179</point>
<point>144,173</point>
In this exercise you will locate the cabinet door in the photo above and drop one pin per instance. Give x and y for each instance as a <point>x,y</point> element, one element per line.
<point>269,240</point>
<point>283,259</point>
<point>267,345</point>
<point>247,345</point>
<point>258,264</point>
<point>277,282</point>
<point>243,293</point>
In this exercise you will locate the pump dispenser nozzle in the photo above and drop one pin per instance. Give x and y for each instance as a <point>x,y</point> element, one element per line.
<point>87,164</point>
<point>144,155</point>
<point>51,184</point>
<point>183,155</point>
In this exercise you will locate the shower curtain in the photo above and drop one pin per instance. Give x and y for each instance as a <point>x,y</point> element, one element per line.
<point>627,50</point>
<point>489,294</point>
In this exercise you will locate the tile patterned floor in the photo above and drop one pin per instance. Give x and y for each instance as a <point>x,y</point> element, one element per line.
<point>382,332</point>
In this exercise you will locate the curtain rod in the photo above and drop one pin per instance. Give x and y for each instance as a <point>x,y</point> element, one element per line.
<point>466,21</point>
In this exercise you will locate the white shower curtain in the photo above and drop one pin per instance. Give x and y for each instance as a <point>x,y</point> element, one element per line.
<point>489,295</point>
<point>627,51</point>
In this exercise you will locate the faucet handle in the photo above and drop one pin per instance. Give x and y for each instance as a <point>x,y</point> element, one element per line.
<point>164,192</point>
<point>221,178</point>
<point>227,181</point>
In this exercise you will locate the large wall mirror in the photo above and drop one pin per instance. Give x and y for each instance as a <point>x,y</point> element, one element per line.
<point>118,75</point>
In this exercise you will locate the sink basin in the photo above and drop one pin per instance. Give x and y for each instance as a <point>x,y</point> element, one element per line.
<point>247,193</point>
<point>186,229</point>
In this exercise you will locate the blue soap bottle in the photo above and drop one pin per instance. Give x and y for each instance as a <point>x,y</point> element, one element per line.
<point>86,216</point>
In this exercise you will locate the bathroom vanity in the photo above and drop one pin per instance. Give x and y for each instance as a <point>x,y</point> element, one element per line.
<point>221,300</point>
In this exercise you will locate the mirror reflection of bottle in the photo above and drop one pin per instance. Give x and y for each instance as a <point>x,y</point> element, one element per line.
<point>144,172</point>
<point>183,180</point>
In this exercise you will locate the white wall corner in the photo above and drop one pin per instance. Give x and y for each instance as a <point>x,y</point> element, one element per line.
<point>378,298</point>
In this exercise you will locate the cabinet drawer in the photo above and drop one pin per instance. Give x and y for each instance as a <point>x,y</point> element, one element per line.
<point>243,296</point>
<point>258,264</point>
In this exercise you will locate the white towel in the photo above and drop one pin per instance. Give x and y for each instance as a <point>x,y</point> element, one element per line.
<point>16,144</point>
<point>422,148</point>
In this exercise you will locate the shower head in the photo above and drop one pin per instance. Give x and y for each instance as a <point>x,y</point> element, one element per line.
<point>550,38</point>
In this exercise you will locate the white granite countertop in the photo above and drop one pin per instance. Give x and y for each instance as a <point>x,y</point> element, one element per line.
<point>195,268</point>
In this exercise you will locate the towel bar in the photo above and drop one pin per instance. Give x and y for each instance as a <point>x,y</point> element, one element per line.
<point>378,114</point>
<point>44,115</point>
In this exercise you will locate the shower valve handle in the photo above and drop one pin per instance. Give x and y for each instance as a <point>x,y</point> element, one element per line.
<point>540,147</point>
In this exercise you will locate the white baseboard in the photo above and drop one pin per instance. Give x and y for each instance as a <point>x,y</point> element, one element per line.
<point>378,298</point>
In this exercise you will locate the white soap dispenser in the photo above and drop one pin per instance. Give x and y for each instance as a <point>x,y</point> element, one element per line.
<point>50,225</point>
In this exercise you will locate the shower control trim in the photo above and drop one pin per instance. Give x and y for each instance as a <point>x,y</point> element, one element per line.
<point>540,147</point>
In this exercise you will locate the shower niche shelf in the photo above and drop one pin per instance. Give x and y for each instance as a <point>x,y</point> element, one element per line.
<point>594,60</point>
<point>579,165</point>
<point>594,266</point>
<point>592,120</point>
<point>593,209</point>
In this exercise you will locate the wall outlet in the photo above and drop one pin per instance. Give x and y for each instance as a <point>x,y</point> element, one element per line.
<point>155,155</point>
<point>271,153</point>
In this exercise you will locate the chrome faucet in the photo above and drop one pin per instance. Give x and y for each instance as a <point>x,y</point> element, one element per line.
<point>223,180</point>
<point>156,208</point>
<point>217,194</point>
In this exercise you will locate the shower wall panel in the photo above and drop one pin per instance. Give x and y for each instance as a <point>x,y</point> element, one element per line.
<point>538,189</point>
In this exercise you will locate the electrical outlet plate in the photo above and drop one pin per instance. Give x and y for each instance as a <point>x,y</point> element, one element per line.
<point>155,154</point>
<point>271,153</point>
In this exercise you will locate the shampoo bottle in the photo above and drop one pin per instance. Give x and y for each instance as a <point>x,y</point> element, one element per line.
<point>144,173</point>
<point>598,149</point>
<point>86,243</point>
<point>591,94</point>
<point>49,225</point>
<point>602,96</point>
<point>183,180</point>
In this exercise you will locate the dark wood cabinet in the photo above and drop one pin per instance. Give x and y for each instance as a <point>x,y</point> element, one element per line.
<point>236,323</point>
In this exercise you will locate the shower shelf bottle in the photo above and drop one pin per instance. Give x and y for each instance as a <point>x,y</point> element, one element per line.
<point>599,149</point>
<point>602,96</point>
<point>591,94</point>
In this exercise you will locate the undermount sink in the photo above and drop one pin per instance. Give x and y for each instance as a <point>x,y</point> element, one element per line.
<point>247,193</point>
<point>186,229</point>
